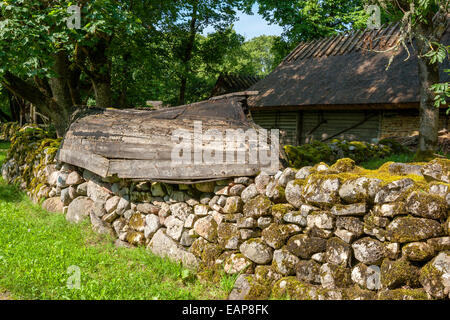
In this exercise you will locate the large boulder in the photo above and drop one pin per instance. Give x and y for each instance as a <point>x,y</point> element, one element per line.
<point>249,193</point>
<point>437,170</point>
<point>338,252</point>
<point>174,227</point>
<point>308,271</point>
<point>293,192</point>
<point>359,190</point>
<point>305,247</point>
<point>394,191</point>
<point>284,262</point>
<point>258,207</point>
<point>435,276</point>
<point>164,246</point>
<point>418,251</point>
<point>247,288</point>
<point>426,205</point>
<point>79,209</point>
<point>206,228</point>
<point>181,210</point>
<point>369,251</point>
<point>367,277</point>
<point>322,192</point>
<point>398,273</point>
<point>53,205</point>
<point>276,235</point>
<point>333,276</point>
<point>409,229</point>
<point>257,251</point>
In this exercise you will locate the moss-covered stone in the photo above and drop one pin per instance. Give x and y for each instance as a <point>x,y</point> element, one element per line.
<point>292,289</point>
<point>403,294</point>
<point>395,274</point>
<point>279,210</point>
<point>434,276</point>
<point>409,229</point>
<point>418,251</point>
<point>258,207</point>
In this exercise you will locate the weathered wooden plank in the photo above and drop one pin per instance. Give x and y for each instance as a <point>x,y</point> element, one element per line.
<point>167,170</point>
<point>86,160</point>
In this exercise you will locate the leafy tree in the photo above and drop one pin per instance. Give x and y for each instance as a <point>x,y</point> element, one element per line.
<point>54,67</point>
<point>195,16</point>
<point>305,20</point>
<point>425,21</point>
<point>259,57</point>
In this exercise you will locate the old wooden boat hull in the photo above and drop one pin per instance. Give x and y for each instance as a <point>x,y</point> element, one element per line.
<point>140,144</point>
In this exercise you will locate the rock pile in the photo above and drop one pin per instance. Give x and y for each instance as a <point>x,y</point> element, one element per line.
<point>321,232</point>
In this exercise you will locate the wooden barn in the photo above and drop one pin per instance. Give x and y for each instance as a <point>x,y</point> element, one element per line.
<point>339,87</point>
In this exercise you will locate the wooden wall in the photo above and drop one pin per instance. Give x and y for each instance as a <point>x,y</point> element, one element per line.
<point>303,126</point>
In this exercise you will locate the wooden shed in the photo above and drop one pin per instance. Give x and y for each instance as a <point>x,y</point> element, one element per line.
<point>139,145</point>
<point>339,87</point>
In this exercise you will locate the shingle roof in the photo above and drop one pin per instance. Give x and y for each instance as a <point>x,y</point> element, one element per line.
<point>348,69</point>
<point>229,83</point>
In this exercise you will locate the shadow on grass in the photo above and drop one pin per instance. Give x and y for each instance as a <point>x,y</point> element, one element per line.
<point>10,193</point>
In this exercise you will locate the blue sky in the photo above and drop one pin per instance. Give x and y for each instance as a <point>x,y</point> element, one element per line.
<point>254,26</point>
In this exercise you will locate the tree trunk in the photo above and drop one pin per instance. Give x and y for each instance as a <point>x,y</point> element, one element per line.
<point>428,76</point>
<point>188,55</point>
<point>52,99</point>
<point>100,73</point>
<point>102,91</point>
<point>429,114</point>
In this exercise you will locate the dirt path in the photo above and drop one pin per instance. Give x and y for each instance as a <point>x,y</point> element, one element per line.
<point>5,296</point>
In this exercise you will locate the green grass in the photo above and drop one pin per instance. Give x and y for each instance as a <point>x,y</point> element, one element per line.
<point>37,248</point>
<point>374,164</point>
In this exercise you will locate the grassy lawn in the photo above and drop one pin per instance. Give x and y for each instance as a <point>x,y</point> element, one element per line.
<point>374,164</point>
<point>37,248</point>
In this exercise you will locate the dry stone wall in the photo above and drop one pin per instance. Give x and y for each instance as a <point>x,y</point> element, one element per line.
<point>321,232</point>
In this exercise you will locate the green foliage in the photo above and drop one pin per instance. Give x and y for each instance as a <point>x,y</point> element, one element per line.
<point>306,20</point>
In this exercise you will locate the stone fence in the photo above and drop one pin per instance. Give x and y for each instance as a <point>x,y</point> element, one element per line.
<point>339,232</point>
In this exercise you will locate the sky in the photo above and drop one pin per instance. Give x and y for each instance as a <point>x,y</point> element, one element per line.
<point>254,26</point>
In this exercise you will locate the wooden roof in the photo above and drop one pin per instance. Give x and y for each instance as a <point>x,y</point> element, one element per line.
<point>229,83</point>
<point>344,70</point>
<point>138,144</point>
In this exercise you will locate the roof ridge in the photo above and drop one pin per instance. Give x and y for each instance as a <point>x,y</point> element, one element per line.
<point>346,42</point>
